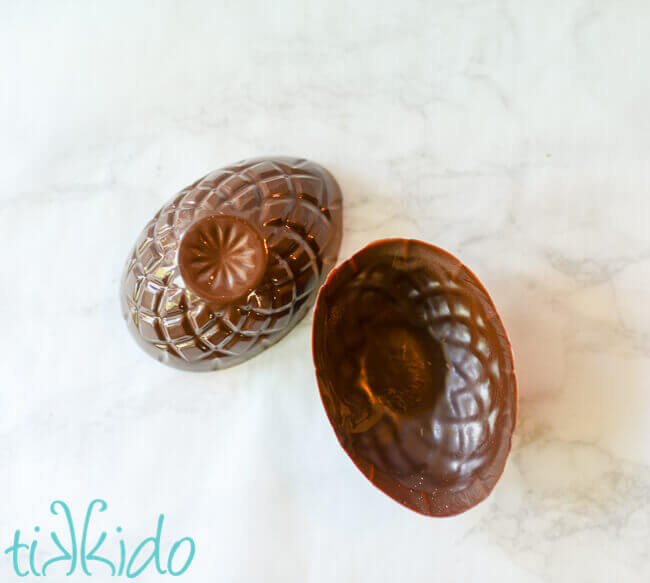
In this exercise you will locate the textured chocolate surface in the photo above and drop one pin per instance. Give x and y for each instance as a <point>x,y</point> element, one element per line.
<point>222,258</point>
<point>416,375</point>
<point>232,262</point>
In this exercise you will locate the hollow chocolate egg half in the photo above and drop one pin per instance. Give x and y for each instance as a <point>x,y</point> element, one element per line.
<point>416,375</point>
<point>232,262</point>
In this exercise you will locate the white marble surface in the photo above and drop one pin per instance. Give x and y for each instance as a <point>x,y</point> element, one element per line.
<point>514,134</point>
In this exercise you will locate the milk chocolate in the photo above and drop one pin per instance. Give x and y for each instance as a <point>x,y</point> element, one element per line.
<point>416,375</point>
<point>233,262</point>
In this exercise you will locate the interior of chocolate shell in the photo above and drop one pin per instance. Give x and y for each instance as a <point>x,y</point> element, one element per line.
<point>416,374</point>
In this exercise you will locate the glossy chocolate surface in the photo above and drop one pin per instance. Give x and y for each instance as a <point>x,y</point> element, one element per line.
<point>233,262</point>
<point>222,258</point>
<point>416,375</point>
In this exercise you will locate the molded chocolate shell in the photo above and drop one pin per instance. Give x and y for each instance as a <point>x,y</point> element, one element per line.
<point>232,262</point>
<point>416,375</point>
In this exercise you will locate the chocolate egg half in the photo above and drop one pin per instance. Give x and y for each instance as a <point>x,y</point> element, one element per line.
<point>232,262</point>
<point>416,375</point>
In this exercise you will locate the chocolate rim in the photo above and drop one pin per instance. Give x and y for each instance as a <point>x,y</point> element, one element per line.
<point>421,501</point>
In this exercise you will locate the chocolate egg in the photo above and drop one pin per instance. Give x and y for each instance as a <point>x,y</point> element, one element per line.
<point>232,262</point>
<point>416,375</point>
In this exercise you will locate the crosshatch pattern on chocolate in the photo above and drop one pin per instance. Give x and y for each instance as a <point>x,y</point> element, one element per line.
<point>295,205</point>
